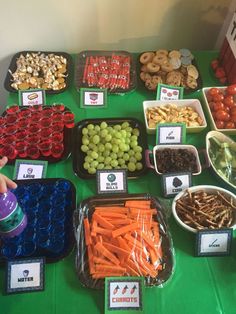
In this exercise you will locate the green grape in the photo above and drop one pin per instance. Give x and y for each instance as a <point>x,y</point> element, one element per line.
<point>114,163</point>
<point>88,159</point>
<point>103,133</point>
<point>106,153</point>
<point>118,135</point>
<point>85,140</point>
<point>93,147</point>
<point>127,140</point>
<point>123,147</point>
<point>126,156</point>
<point>94,164</point>
<point>110,129</point>
<point>117,127</point>
<point>97,128</point>
<point>139,166</point>
<point>84,131</point>
<point>91,170</point>
<point>136,132</point>
<point>131,152</point>
<point>138,149</point>
<point>129,130</point>
<point>124,125</point>
<point>103,125</point>
<point>94,155</point>
<point>113,155</point>
<point>86,165</point>
<point>96,139</point>
<point>120,154</point>
<point>90,126</point>
<point>108,167</point>
<point>115,148</point>
<point>121,161</point>
<point>133,159</point>
<point>134,138</point>
<point>84,148</point>
<point>133,144</point>
<point>107,160</point>
<point>108,138</point>
<point>131,166</point>
<point>123,133</point>
<point>138,156</point>
<point>128,134</point>
<point>100,158</point>
<point>100,166</point>
<point>101,148</point>
<point>91,132</point>
<point>108,146</point>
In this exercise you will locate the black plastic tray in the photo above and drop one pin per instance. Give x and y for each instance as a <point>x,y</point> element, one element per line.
<point>80,64</point>
<point>87,208</point>
<point>186,90</point>
<point>12,67</point>
<point>78,156</point>
<point>69,207</point>
<point>67,136</point>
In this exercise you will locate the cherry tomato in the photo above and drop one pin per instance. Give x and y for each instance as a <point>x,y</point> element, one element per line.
<point>214,64</point>
<point>220,73</point>
<point>233,110</point>
<point>211,105</point>
<point>209,97</point>
<point>222,115</point>
<point>218,106</point>
<point>233,117</point>
<point>220,124</point>
<point>231,90</point>
<point>213,91</point>
<point>218,97</point>
<point>229,125</point>
<point>229,101</point>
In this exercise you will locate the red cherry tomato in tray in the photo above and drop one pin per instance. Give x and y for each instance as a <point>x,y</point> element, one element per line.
<point>220,124</point>
<point>222,115</point>
<point>231,90</point>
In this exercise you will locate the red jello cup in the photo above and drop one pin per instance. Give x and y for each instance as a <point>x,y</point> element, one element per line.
<point>57,150</point>
<point>23,123</point>
<point>9,140</point>
<point>57,116</point>
<point>2,121</point>
<point>57,137</point>
<point>12,109</point>
<point>11,119</point>
<point>47,112</point>
<point>46,122</point>
<point>21,147</point>
<point>35,117</point>
<point>68,119</point>
<point>9,151</point>
<point>58,107</point>
<point>21,135</point>
<point>24,113</point>
<point>33,138</point>
<point>2,131</point>
<point>46,133</point>
<point>36,108</point>
<point>34,129</point>
<point>57,127</point>
<point>33,152</point>
<point>10,129</point>
<point>45,147</point>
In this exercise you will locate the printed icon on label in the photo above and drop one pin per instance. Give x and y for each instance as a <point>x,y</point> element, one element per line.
<point>93,96</point>
<point>32,96</point>
<point>177,182</point>
<point>29,170</point>
<point>116,289</point>
<point>124,289</point>
<point>214,244</point>
<point>25,273</point>
<point>133,289</point>
<point>111,177</point>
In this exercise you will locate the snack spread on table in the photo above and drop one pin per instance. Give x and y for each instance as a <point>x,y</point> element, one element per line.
<point>170,67</point>
<point>203,210</point>
<point>39,70</point>
<point>172,113</point>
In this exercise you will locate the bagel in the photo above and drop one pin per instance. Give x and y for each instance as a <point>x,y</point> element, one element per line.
<point>146,57</point>
<point>153,67</point>
<point>160,59</point>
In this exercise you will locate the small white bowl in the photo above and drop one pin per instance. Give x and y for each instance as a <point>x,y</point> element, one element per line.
<point>193,103</point>
<point>207,188</point>
<point>211,119</point>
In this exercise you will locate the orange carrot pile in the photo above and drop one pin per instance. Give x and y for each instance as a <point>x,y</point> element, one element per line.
<point>123,241</point>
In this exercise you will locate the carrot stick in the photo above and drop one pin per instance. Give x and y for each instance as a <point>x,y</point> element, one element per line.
<point>90,259</point>
<point>121,222</point>
<point>102,261</point>
<point>102,231</point>
<point>101,249</point>
<point>108,268</point>
<point>123,243</point>
<point>87,234</point>
<point>102,221</point>
<point>134,241</point>
<point>124,229</point>
<point>108,274</point>
<point>116,249</point>
<point>112,215</point>
<point>117,209</point>
<point>138,204</point>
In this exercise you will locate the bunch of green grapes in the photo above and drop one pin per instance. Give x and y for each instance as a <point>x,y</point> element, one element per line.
<point>111,147</point>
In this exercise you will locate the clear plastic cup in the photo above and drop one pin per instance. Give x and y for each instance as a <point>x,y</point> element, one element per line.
<point>57,127</point>
<point>21,148</point>
<point>33,152</point>
<point>9,151</point>
<point>68,119</point>
<point>57,150</point>
<point>45,147</point>
<point>13,109</point>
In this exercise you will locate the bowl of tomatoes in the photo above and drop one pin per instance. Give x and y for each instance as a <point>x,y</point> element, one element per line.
<point>220,103</point>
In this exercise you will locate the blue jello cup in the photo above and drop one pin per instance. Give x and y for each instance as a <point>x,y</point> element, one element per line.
<point>56,246</point>
<point>11,250</point>
<point>28,248</point>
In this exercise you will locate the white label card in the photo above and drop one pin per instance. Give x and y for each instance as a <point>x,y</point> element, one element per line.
<point>111,181</point>
<point>28,169</point>
<point>170,134</point>
<point>92,97</point>
<point>214,242</point>
<point>32,97</point>
<point>173,183</point>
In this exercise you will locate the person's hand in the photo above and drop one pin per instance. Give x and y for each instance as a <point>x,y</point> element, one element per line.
<point>5,182</point>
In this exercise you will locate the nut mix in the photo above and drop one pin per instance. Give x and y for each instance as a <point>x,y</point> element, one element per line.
<point>173,68</point>
<point>172,113</point>
<point>203,210</point>
<point>39,70</point>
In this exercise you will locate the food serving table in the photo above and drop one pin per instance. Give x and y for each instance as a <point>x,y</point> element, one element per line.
<point>199,284</point>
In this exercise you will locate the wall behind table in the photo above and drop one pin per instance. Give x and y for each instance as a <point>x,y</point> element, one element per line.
<point>133,25</point>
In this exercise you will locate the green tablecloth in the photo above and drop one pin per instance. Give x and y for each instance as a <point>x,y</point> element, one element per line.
<point>199,285</point>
